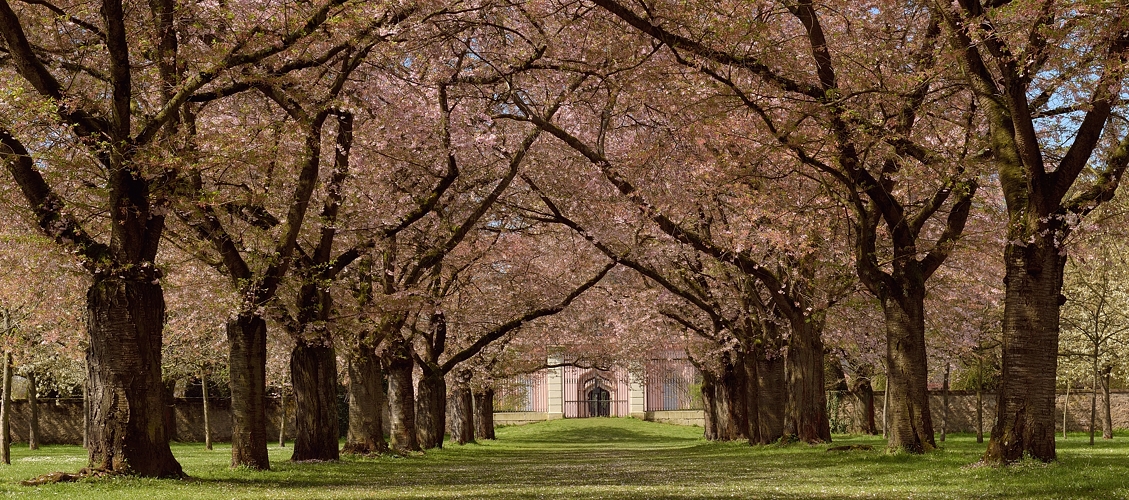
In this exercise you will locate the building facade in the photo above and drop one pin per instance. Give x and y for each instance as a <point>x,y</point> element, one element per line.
<point>667,388</point>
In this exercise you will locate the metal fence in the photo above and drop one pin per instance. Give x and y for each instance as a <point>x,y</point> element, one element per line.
<point>527,392</point>
<point>672,384</point>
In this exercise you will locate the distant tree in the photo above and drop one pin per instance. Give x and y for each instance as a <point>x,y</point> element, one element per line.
<point>1095,322</point>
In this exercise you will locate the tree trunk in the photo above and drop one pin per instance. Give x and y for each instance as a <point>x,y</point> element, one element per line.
<point>282,417</point>
<point>126,430</point>
<point>863,392</point>
<point>752,398</point>
<point>734,385</point>
<point>6,413</point>
<point>401,398</point>
<point>806,407</point>
<point>945,402</point>
<point>1065,408</point>
<point>709,410</point>
<point>837,390</point>
<point>207,416</point>
<point>168,412</point>
<point>1093,409</point>
<point>313,375</point>
<point>980,399</point>
<point>771,398</point>
<point>911,424</point>
<point>1094,398</point>
<point>886,408</point>
<point>431,409</point>
<point>1026,397</point>
<point>366,404</point>
<point>247,361</point>
<point>85,410</point>
<point>33,408</point>
<point>723,419</point>
<point>462,410</point>
<point>484,413</point>
<point>1107,422</point>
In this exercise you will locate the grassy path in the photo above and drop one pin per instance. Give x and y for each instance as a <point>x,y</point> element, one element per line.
<point>609,458</point>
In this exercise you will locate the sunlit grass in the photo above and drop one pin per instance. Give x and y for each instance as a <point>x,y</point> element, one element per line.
<point>610,458</point>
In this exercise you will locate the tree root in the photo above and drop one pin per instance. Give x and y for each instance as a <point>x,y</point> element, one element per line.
<point>851,447</point>
<point>66,477</point>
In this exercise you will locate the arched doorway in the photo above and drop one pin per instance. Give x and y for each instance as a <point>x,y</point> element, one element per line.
<point>592,392</point>
<point>599,402</point>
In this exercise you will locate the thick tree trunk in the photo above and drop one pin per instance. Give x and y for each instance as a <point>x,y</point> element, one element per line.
<point>126,430</point>
<point>462,410</point>
<point>207,411</point>
<point>313,374</point>
<point>806,408</point>
<point>709,409</point>
<point>247,361</point>
<point>752,398</point>
<point>33,408</point>
<point>771,398</point>
<point>733,384</point>
<point>864,396</point>
<point>1026,397</point>
<point>401,398</point>
<point>723,419</point>
<point>366,404</point>
<point>484,413</point>
<point>6,412</point>
<point>911,424</point>
<point>431,409</point>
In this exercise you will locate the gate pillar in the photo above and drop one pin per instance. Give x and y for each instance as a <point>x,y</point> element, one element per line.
<point>636,395</point>
<point>556,387</point>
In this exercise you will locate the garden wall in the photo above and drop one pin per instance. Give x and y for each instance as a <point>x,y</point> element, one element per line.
<point>962,411</point>
<point>60,421</point>
<point>677,417</point>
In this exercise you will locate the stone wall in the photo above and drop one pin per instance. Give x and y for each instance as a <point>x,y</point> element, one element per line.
<point>519,417</point>
<point>678,417</point>
<point>962,411</point>
<point>60,420</point>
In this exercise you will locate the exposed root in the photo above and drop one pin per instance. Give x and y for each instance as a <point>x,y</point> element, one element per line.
<point>66,477</point>
<point>851,447</point>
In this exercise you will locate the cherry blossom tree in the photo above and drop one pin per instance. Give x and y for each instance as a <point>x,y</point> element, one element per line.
<point>896,176</point>
<point>524,275</point>
<point>1049,78</point>
<point>794,293</point>
<point>104,98</point>
<point>311,103</point>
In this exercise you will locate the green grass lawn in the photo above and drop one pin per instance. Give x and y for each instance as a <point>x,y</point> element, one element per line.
<point>609,458</point>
